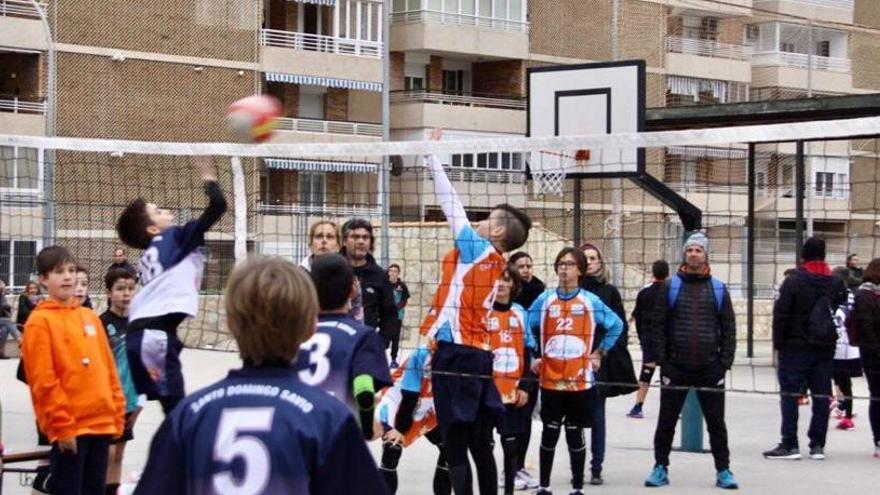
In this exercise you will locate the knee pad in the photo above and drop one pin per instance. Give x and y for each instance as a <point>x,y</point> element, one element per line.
<point>646,374</point>
<point>550,435</point>
<point>574,436</point>
<point>391,453</point>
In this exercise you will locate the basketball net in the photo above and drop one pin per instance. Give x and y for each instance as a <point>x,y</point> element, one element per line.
<point>548,171</point>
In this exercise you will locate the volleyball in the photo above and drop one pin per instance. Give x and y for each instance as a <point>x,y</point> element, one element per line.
<point>254,118</point>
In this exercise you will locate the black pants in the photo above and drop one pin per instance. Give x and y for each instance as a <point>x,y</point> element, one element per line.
<point>527,431</point>
<point>871,365</point>
<point>711,402</point>
<point>83,473</point>
<point>796,367</point>
<point>844,382</point>
<point>476,437</point>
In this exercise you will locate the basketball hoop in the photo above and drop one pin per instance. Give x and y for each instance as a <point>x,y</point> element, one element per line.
<point>548,171</point>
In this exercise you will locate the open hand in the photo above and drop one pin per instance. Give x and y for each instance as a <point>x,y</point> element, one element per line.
<point>205,167</point>
<point>521,398</point>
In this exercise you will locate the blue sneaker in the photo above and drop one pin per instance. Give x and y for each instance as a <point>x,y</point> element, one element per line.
<point>726,480</point>
<point>658,477</point>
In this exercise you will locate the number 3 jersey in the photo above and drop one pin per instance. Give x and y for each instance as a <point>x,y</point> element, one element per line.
<point>341,350</point>
<point>567,325</point>
<point>259,431</point>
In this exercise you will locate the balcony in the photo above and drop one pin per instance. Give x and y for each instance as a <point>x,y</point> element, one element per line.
<point>457,33</point>
<point>18,116</point>
<point>707,48</point>
<point>827,10</point>
<point>688,57</point>
<point>20,25</point>
<point>425,109</point>
<point>320,43</point>
<point>321,55</point>
<point>801,60</point>
<point>300,130</point>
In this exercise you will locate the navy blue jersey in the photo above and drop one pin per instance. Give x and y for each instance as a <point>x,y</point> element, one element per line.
<point>342,349</point>
<point>171,267</point>
<point>259,431</point>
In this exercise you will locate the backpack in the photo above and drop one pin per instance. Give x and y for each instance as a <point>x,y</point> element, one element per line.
<point>821,329</point>
<point>675,288</point>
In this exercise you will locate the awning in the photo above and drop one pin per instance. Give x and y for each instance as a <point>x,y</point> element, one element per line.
<point>318,2</point>
<point>321,166</point>
<point>330,82</point>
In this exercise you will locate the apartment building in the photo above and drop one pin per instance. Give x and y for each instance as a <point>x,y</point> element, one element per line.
<point>168,70</point>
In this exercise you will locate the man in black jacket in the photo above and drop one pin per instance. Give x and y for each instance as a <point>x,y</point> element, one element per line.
<point>376,290</point>
<point>801,359</point>
<point>694,333</point>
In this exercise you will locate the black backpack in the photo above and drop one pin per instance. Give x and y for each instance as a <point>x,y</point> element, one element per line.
<point>821,330</point>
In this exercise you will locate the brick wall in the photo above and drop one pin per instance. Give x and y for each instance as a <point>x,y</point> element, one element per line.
<point>435,74</point>
<point>397,62</point>
<point>570,28</point>
<point>642,32</point>
<point>731,31</point>
<point>225,29</point>
<point>504,77</point>
<point>336,104</point>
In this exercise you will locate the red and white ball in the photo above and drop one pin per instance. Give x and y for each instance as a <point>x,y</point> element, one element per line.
<point>254,118</point>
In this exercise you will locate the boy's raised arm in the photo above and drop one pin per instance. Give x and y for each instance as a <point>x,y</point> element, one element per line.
<point>446,194</point>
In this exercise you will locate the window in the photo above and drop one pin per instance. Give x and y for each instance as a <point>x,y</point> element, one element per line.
<point>453,82</point>
<point>753,32</point>
<point>485,8</point>
<point>17,261</point>
<point>709,28</point>
<point>786,47</point>
<point>398,6</point>
<point>311,104</point>
<point>823,48</point>
<point>312,188</point>
<point>824,184</point>
<point>411,83</point>
<point>468,7</point>
<point>491,161</point>
<point>20,168</point>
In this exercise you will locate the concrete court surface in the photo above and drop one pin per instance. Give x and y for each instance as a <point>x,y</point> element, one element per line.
<point>752,420</point>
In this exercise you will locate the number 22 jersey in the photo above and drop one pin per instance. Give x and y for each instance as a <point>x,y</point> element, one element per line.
<point>259,431</point>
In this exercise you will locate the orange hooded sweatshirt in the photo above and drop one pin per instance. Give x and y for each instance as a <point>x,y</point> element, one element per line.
<point>71,373</point>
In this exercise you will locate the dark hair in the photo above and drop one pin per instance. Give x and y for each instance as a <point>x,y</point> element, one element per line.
<point>849,257</point>
<point>789,272</point>
<point>518,256</point>
<point>333,278</point>
<point>132,225</point>
<point>660,269</point>
<point>515,279</point>
<point>872,272</point>
<point>516,226</point>
<point>52,257</point>
<point>355,224</point>
<point>115,274</point>
<point>80,268</point>
<point>578,256</point>
<point>393,265</point>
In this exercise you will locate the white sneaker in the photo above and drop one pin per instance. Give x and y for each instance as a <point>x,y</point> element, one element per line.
<point>527,479</point>
<point>518,483</point>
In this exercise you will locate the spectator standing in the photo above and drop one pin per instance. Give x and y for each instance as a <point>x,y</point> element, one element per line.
<point>401,297</point>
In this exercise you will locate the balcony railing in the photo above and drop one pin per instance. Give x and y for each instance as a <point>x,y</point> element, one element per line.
<point>422,96</point>
<point>329,127</point>
<point>316,210</point>
<point>707,48</point>
<point>838,4</point>
<point>434,16</point>
<point>320,43</point>
<point>790,59</point>
<point>16,105</point>
<point>20,8</point>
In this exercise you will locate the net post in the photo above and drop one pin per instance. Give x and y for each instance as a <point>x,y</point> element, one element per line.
<point>691,413</point>
<point>750,256</point>
<point>799,189</point>
<point>577,211</point>
<point>239,195</point>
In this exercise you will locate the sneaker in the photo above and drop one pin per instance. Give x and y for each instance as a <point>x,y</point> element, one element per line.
<point>529,481</point>
<point>543,491</point>
<point>846,424</point>
<point>518,483</point>
<point>838,413</point>
<point>394,365</point>
<point>783,452</point>
<point>817,453</point>
<point>726,480</point>
<point>596,477</point>
<point>659,476</point>
<point>635,413</point>
<point>576,491</point>
<point>877,450</point>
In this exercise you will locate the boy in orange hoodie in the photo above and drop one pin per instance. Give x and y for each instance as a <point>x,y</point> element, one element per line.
<point>75,390</point>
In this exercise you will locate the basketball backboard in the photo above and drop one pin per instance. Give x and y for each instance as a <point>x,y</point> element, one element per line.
<point>599,98</point>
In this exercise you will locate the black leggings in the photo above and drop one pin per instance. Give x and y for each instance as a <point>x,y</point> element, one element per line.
<point>510,444</point>
<point>391,454</point>
<point>577,452</point>
<point>844,382</point>
<point>476,437</point>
